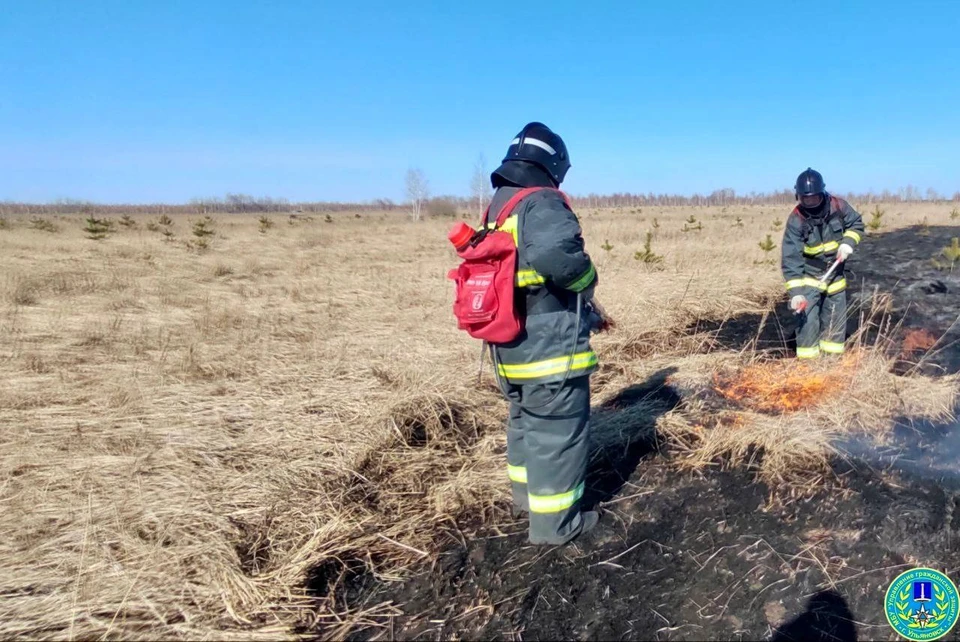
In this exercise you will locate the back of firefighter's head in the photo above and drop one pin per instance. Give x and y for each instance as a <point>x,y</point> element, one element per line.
<point>810,189</point>
<point>537,145</point>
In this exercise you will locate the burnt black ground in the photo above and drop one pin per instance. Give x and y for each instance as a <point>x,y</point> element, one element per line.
<point>682,556</point>
<point>697,558</point>
<point>925,296</point>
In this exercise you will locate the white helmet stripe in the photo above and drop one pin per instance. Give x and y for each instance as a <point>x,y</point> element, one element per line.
<point>536,143</point>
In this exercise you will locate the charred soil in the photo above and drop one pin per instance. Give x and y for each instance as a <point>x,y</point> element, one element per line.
<point>690,558</point>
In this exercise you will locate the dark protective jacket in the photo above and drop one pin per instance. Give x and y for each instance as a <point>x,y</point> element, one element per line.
<point>810,246</point>
<point>552,268</point>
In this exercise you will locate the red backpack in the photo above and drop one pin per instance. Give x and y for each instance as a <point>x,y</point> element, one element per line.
<point>484,304</point>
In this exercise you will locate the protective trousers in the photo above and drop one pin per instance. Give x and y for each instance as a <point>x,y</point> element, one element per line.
<point>547,451</point>
<point>824,326</point>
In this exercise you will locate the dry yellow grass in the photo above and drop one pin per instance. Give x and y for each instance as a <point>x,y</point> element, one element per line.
<point>187,435</point>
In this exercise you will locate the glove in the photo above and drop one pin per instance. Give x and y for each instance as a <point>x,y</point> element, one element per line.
<point>594,319</point>
<point>599,321</point>
<point>844,252</point>
<point>798,302</point>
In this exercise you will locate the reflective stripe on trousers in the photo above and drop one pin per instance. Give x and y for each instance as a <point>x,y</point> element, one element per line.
<point>555,503</point>
<point>832,347</point>
<point>517,473</point>
<point>823,329</point>
<point>547,451</point>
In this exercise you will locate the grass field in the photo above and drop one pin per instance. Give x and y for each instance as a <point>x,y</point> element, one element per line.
<point>202,443</point>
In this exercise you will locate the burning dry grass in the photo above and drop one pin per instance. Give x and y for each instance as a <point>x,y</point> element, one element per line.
<point>918,340</point>
<point>786,386</point>
<point>785,418</point>
<point>230,444</point>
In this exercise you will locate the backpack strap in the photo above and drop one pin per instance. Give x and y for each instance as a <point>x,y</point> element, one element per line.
<point>510,205</point>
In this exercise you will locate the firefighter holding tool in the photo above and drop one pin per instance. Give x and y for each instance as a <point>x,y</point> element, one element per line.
<point>543,366</point>
<point>820,235</point>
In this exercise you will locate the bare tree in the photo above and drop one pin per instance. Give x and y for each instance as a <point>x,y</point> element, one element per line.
<point>909,193</point>
<point>480,183</point>
<point>932,195</point>
<point>417,191</point>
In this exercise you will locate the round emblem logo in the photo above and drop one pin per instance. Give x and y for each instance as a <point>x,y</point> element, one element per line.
<point>922,604</point>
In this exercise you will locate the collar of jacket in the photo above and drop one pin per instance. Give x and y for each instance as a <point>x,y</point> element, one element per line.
<point>520,174</point>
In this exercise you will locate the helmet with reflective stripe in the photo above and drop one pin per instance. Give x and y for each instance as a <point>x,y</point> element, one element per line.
<point>537,144</point>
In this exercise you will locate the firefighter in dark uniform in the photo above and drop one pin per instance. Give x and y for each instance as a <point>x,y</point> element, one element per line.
<point>545,371</point>
<point>821,229</point>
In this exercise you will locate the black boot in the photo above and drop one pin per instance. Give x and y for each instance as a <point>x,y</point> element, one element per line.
<point>589,520</point>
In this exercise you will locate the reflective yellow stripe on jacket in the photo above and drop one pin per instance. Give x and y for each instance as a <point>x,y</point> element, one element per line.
<point>509,225</point>
<point>808,281</point>
<point>837,286</point>
<point>814,250</point>
<point>794,283</point>
<point>526,277</point>
<point>548,367</point>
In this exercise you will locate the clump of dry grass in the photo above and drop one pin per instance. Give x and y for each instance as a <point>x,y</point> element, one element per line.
<point>23,291</point>
<point>44,225</point>
<point>433,464</point>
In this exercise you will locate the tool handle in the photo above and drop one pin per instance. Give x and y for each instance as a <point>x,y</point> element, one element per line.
<point>838,261</point>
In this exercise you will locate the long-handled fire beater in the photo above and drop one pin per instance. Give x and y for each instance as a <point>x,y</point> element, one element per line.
<point>823,279</point>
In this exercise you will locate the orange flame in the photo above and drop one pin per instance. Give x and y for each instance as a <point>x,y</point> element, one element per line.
<point>784,386</point>
<point>918,339</point>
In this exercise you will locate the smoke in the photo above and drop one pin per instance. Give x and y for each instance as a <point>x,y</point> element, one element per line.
<point>930,451</point>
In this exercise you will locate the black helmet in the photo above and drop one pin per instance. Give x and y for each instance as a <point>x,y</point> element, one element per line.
<point>810,189</point>
<point>808,183</point>
<point>538,145</point>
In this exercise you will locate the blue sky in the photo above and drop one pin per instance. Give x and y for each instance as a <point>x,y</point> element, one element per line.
<point>121,101</point>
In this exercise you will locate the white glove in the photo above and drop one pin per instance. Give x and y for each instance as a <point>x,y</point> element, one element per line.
<point>844,252</point>
<point>797,302</point>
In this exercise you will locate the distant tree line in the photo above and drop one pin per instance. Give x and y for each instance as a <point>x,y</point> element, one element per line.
<point>728,196</point>
<point>230,204</point>
<point>243,203</point>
